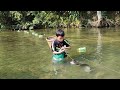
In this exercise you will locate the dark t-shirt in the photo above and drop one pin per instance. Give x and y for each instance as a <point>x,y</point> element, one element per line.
<point>56,45</point>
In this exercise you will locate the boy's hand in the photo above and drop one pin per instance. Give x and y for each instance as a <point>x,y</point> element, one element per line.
<point>64,47</point>
<point>62,50</point>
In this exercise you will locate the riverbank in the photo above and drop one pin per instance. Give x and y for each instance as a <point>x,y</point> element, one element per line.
<point>28,20</point>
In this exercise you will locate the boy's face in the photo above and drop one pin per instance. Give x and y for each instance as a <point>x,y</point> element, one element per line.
<point>60,38</point>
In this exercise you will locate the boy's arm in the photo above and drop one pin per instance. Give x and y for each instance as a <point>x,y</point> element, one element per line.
<point>61,51</point>
<point>66,45</point>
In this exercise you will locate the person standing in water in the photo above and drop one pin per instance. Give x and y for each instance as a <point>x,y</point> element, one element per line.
<point>59,46</point>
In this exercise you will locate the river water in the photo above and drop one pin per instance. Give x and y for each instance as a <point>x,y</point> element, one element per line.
<point>26,56</point>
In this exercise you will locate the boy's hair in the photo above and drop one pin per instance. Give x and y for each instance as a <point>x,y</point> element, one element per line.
<point>60,33</point>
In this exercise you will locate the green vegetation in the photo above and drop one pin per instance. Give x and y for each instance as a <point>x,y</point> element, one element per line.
<point>55,19</point>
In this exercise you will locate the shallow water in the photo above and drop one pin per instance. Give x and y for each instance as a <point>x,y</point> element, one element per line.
<point>23,55</point>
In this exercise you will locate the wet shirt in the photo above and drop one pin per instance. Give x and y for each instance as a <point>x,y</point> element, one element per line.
<point>56,45</point>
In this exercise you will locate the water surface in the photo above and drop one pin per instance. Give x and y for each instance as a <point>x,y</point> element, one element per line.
<point>23,55</point>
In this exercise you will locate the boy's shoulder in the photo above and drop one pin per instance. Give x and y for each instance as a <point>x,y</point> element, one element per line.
<point>55,41</point>
<point>66,41</point>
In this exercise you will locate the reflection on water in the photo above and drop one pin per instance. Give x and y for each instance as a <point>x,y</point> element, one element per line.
<point>99,46</point>
<point>27,55</point>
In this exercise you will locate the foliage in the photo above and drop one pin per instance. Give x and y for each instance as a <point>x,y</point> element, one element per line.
<point>51,19</point>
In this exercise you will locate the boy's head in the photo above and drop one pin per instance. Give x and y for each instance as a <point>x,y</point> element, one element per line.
<point>60,35</point>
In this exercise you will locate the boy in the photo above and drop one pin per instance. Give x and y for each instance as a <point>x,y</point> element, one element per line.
<point>59,47</point>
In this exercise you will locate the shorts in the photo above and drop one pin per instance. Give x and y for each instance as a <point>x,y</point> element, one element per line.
<point>58,58</point>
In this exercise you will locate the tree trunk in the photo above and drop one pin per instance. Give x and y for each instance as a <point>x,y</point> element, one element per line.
<point>99,15</point>
<point>99,21</point>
